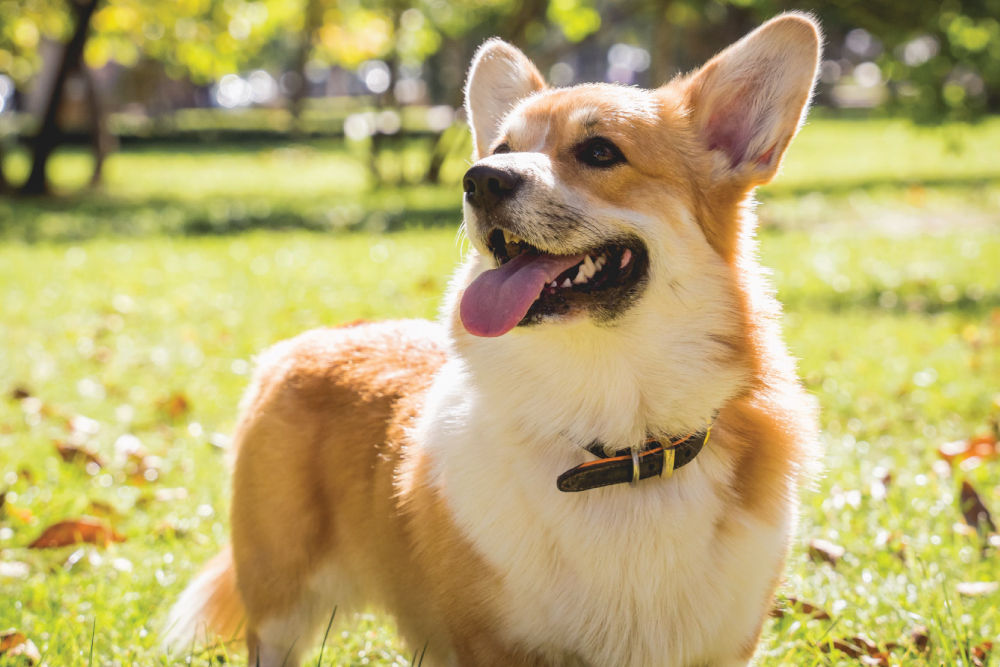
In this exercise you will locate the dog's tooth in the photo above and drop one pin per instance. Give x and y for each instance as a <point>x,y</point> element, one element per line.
<point>567,283</point>
<point>626,258</point>
<point>588,264</point>
<point>581,276</point>
<point>600,262</point>
<point>553,284</point>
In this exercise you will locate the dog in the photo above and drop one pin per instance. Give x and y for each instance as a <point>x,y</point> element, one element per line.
<point>594,457</point>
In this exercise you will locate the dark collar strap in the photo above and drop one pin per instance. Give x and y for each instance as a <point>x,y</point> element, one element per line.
<point>629,465</point>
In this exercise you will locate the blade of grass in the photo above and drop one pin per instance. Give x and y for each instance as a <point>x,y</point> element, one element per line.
<point>93,631</point>
<point>326,634</point>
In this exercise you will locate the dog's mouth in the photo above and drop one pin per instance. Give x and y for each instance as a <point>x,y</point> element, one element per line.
<point>530,285</point>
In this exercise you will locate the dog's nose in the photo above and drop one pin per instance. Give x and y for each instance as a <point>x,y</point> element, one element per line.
<point>488,186</point>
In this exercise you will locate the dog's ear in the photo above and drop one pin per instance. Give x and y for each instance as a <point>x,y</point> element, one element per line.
<point>749,100</point>
<point>499,77</point>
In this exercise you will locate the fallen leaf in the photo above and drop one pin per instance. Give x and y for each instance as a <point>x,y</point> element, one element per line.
<point>980,653</point>
<point>99,507</point>
<point>14,644</point>
<point>826,551</point>
<point>175,405</point>
<point>19,393</point>
<point>3,498</point>
<point>855,647</point>
<point>921,638</point>
<point>72,531</point>
<point>79,455</point>
<point>799,606</point>
<point>982,447</point>
<point>974,511</point>
<point>976,588</point>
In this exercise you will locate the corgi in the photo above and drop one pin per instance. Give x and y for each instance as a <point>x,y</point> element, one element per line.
<point>593,457</point>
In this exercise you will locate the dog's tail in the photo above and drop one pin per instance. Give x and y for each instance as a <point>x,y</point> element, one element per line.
<point>209,611</point>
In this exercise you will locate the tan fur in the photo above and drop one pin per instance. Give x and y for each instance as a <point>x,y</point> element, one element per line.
<point>411,466</point>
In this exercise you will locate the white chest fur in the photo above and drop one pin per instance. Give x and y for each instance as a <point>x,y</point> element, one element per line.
<point>615,576</point>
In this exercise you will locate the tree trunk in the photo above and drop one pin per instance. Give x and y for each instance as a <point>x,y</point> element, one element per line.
<point>102,141</point>
<point>48,137</point>
<point>4,183</point>
<point>661,67</point>
<point>297,96</point>
<point>520,19</point>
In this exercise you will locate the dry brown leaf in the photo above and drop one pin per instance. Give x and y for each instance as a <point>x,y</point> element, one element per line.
<point>14,644</point>
<point>979,654</point>
<point>974,511</point>
<point>85,529</point>
<point>976,588</point>
<point>799,606</point>
<point>855,647</point>
<point>921,638</point>
<point>19,393</point>
<point>79,455</point>
<point>176,405</point>
<point>983,447</point>
<point>826,551</point>
<point>101,508</point>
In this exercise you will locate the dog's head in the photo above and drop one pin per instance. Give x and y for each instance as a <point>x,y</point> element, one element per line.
<point>582,198</point>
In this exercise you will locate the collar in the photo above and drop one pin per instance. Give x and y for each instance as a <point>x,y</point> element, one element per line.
<point>654,459</point>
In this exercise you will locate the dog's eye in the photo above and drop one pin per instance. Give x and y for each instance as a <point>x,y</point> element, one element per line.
<point>599,152</point>
<point>502,148</point>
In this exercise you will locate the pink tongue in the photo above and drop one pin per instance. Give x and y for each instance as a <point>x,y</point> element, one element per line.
<point>499,298</point>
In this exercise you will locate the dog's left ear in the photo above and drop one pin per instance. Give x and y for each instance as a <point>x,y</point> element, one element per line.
<point>499,77</point>
<point>749,101</point>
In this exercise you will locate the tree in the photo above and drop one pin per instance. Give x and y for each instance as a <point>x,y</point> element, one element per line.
<point>47,137</point>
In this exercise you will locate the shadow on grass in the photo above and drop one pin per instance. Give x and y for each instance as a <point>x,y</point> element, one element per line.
<point>885,184</point>
<point>83,217</point>
<point>975,301</point>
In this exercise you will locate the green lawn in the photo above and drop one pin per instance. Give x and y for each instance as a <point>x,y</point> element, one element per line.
<point>118,325</point>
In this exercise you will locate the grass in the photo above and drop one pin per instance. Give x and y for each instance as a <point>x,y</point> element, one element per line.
<point>892,307</point>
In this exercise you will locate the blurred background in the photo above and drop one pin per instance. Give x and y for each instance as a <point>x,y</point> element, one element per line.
<point>379,83</point>
<point>184,183</point>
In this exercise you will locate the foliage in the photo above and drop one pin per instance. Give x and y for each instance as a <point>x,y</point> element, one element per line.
<point>23,23</point>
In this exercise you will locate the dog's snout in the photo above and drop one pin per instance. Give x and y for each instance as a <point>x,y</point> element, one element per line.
<point>488,186</point>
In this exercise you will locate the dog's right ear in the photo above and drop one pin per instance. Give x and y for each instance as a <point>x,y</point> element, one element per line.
<point>499,77</point>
